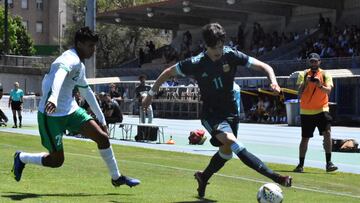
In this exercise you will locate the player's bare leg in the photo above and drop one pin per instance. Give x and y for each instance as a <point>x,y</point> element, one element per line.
<point>93,131</point>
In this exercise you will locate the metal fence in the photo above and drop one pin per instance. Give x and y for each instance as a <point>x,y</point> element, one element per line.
<point>30,102</point>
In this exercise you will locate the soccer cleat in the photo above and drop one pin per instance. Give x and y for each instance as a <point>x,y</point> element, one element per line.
<point>330,167</point>
<point>201,184</point>
<point>131,182</point>
<point>285,181</point>
<point>18,166</point>
<point>299,169</point>
<point>15,126</point>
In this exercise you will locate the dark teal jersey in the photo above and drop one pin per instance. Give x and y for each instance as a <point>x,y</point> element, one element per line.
<point>215,79</point>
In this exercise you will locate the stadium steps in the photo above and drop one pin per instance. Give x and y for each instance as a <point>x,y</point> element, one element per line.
<point>289,50</point>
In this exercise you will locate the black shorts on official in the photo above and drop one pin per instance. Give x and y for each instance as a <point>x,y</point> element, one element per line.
<point>16,105</point>
<point>309,122</point>
<point>220,125</point>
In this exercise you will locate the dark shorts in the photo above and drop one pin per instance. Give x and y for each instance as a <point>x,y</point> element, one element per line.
<point>16,105</point>
<point>220,125</point>
<point>309,122</point>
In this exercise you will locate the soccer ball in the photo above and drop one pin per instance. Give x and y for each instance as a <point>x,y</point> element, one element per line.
<point>270,193</point>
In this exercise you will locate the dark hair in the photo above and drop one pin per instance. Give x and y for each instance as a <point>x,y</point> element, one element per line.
<point>142,77</point>
<point>213,33</point>
<point>85,34</point>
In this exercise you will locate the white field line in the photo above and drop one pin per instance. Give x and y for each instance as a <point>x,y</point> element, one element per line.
<point>221,175</point>
<point>227,176</point>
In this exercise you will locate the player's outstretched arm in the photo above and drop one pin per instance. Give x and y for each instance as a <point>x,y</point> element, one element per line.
<point>165,75</point>
<point>261,66</point>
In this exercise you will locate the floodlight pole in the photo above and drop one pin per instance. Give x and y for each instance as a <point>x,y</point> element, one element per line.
<point>90,21</point>
<point>6,28</point>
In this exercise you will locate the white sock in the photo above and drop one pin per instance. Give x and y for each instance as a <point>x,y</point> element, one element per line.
<point>32,158</point>
<point>109,158</point>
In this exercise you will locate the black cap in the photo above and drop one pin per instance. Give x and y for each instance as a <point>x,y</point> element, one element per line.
<point>314,56</point>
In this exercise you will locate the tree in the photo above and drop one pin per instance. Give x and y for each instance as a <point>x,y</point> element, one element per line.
<point>20,43</point>
<point>117,43</point>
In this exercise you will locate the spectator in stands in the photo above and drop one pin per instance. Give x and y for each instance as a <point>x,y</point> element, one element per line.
<point>78,98</point>
<point>172,82</point>
<point>264,42</point>
<point>187,39</point>
<point>3,118</point>
<point>296,36</point>
<point>215,71</point>
<point>147,48</point>
<point>151,48</point>
<point>141,91</point>
<point>328,27</point>
<point>200,47</point>
<point>184,51</point>
<point>172,93</point>
<point>126,93</point>
<point>240,38</point>
<point>261,110</point>
<point>82,102</point>
<point>111,109</point>
<point>191,90</point>
<point>321,22</point>
<point>314,87</point>
<point>141,57</point>
<point>114,94</point>
<point>306,32</point>
<point>252,113</point>
<point>169,54</point>
<point>278,113</point>
<point>334,43</point>
<point>16,103</point>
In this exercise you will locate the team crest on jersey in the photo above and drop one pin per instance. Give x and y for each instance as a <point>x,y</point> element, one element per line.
<point>76,76</point>
<point>226,68</point>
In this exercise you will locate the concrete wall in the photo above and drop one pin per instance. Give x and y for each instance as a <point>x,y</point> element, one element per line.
<point>28,83</point>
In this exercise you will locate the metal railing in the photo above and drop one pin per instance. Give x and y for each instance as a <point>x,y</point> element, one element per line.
<point>30,102</point>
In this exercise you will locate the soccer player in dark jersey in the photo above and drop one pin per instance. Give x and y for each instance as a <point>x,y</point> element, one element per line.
<point>214,71</point>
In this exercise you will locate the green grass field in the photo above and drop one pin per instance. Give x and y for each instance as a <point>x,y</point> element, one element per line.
<point>165,176</point>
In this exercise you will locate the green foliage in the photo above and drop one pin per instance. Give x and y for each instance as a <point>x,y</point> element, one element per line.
<point>20,43</point>
<point>117,43</point>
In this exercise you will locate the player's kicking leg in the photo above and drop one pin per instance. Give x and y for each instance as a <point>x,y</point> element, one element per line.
<point>92,130</point>
<point>229,140</point>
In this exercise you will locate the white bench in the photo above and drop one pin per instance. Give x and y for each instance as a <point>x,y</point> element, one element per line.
<point>126,130</point>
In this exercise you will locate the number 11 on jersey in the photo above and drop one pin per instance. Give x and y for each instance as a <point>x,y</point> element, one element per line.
<point>218,83</point>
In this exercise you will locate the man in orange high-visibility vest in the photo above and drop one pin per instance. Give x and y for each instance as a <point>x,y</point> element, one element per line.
<point>314,88</point>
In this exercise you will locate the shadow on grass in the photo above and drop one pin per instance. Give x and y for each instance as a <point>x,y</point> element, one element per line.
<point>200,200</point>
<point>18,196</point>
<point>305,172</point>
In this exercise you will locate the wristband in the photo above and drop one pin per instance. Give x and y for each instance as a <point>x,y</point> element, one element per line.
<point>151,93</point>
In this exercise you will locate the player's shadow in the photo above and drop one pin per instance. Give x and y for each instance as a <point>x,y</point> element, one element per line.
<point>305,172</point>
<point>19,196</point>
<point>200,200</point>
